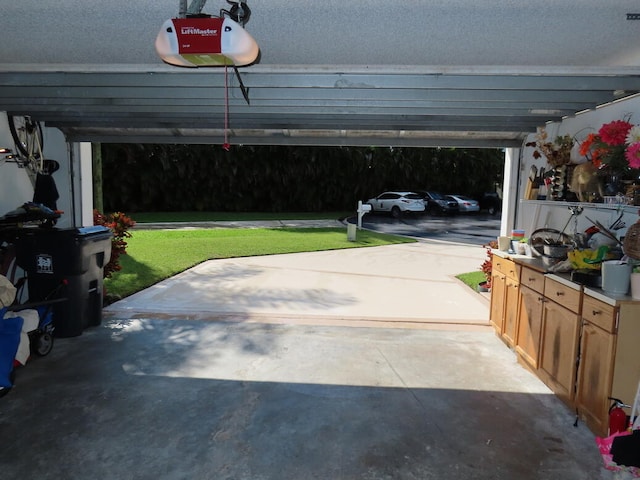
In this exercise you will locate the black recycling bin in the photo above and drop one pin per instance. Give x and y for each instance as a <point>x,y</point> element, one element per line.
<point>66,263</point>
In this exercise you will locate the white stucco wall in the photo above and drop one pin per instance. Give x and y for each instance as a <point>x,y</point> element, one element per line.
<point>533,215</point>
<point>73,179</point>
<point>15,186</point>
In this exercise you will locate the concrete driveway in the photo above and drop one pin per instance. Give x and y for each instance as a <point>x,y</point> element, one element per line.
<point>472,229</point>
<point>399,284</point>
<point>357,364</point>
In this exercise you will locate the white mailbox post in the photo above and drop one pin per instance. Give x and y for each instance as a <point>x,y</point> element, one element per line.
<point>362,209</point>
<point>351,228</point>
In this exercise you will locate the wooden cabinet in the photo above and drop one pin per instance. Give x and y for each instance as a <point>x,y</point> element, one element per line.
<point>583,344</point>
<point>595,370</point>
<point>609,362</point>
<point>512,291</point>
<point>505,284</point>
<point>530,316</point>
<point>559,338</point>
<point>496,313</point>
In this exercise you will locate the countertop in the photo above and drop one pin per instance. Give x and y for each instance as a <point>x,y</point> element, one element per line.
<point>535,263</point>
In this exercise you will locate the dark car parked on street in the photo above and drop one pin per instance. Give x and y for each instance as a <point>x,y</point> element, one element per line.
<point>436,203</point>
<point>490,202</point>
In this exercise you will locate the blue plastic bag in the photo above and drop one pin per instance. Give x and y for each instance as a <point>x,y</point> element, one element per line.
<point>10,329</point>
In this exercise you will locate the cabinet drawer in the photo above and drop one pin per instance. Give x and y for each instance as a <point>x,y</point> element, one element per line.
<point>599,313</point>
<point>562,294</point>
<point>507,267</point>
<point>532,279</point>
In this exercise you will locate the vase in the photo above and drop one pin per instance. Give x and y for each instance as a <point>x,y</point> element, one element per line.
<point>633,192</point>
<point>613,184</point>
<point>615,180</point>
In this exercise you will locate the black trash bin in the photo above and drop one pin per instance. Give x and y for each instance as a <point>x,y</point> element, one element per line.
<point>69,262</point>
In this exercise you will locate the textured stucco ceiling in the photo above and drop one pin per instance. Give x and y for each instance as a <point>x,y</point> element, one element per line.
<point>329,32</point>
<point>450,71</point>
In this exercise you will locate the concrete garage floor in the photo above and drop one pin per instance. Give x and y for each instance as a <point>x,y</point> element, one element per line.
<point>387,371</point>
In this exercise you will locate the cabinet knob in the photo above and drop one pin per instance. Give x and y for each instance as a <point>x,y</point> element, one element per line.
<point>559,294</point>
<point>596,312</point>
<point>531,279</point>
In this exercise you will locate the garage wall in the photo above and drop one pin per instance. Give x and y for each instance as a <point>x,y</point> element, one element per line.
<point>71,179</point>
<point>15,187</point>
<point>532,215</point>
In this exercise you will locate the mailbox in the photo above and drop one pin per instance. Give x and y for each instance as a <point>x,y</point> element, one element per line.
<point>362,209</point>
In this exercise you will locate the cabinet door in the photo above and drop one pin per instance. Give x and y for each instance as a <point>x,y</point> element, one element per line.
<point>509,328</point>
<point>595,375</point>
<point>532,279</point>
<point>529,325</point>
<point>497,301</point>
<point>559,352</point>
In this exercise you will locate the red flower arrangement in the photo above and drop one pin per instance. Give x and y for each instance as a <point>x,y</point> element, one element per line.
<point>616,145</point>
<point>615,133</point>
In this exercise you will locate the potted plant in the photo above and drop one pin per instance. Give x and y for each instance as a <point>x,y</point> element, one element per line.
<point>522,247</point>
<point>487,266</point>
<point>557,151</point>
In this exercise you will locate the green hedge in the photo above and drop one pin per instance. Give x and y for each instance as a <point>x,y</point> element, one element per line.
<point>143,178</point>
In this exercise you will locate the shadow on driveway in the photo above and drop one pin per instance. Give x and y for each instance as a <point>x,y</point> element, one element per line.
<point>176,399</point>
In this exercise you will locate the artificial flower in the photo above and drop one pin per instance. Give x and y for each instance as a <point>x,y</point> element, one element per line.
<point>634,135</point>
<point>616,146</point>
<point>590,149</point>
<point>557,152</point>
<point>632,154</point>
<point>615,133</point>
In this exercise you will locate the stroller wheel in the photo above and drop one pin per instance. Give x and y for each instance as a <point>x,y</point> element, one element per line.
<point>43,344</point>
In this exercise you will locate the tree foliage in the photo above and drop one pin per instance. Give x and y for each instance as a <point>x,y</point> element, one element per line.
<point>278,178</point>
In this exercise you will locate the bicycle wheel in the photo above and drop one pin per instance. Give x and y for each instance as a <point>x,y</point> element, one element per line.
<point>27,135</point>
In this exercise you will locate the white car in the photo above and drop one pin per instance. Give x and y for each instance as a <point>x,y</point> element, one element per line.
<point>466,204</point>
<point>397,203</point>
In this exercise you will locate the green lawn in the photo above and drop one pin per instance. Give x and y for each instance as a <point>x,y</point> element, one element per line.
<point>472,279</point>
<point>153,255</point>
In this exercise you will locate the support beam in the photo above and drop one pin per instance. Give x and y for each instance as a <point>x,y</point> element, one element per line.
<point>510,190</point>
